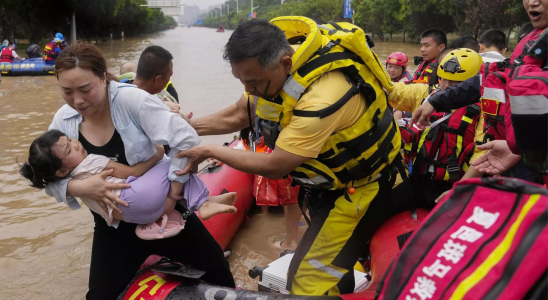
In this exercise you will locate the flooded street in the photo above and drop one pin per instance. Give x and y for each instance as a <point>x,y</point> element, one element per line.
<point>45,247</point>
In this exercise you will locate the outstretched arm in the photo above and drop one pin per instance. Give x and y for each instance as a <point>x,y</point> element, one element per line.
<point>457,96</point>
<point>407,97</point>
<point>454,97</point>
<point>228,120</point>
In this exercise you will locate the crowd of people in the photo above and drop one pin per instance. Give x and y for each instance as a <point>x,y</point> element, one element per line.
<point>321,108</point>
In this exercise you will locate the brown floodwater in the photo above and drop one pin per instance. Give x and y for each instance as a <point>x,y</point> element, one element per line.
<point>45,247</point>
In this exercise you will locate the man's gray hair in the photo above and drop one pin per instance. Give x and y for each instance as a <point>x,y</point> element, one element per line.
<point>260,40</point>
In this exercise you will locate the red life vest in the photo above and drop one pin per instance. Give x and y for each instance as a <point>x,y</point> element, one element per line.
<point>49,54</point>
<point>6,55</point>
<point>520,56</point>
<point>427,72</point>
<point>485,240</point>
<point>495,78</point>
<point>405,77</point>
<point>446,149</point>
<point>493,101</point>
<point>528,115</point>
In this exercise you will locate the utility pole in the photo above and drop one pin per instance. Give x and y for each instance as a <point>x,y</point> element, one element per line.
<point>252,8</point>
<point>73,29</point>
<point>227,8</point>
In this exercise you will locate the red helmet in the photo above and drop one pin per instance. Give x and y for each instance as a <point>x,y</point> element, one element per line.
<point>398,59</point>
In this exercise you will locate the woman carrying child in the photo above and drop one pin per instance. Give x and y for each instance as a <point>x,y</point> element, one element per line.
<point>124,124</point>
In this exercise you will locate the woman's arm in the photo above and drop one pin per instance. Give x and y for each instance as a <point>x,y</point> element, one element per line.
<point>165,128</point>
<point>94,187</point>
<point>97,189</point>
<point>122,171</point>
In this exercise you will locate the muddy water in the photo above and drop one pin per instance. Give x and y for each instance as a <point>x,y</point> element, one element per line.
<point>45,247</point>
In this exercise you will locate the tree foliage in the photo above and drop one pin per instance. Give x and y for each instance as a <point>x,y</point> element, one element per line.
<point>39,19</point>
<point>387,17</point>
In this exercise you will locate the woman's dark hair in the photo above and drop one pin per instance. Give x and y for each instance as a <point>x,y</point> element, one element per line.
<point>86,56</point>
<point>42,164</point>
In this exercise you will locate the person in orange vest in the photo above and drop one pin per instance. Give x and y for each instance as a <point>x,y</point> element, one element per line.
<point>8,54</point>
<point>433,41</point>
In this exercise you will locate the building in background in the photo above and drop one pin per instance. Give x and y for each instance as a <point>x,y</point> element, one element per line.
<point>191,13</point>
<point>170,8</point>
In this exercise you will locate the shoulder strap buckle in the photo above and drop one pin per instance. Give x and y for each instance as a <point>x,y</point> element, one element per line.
<point>473,110</point>
<point>329,46</point>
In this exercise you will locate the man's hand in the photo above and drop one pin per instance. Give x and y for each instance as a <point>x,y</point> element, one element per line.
<point>421,114</point>
<point>172,106</point>
<point>214,161</point>
<point>195,155</point>
<point>185,117</point>
<point>499,158</point>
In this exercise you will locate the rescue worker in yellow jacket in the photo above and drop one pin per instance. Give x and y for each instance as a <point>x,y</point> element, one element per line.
<point>431,178</point>
<point>320,105</point>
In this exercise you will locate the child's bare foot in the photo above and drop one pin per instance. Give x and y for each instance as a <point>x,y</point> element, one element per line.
<point>228,198</point>
<point>209,209</point>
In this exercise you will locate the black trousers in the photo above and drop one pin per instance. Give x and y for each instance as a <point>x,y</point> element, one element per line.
<point>118,253</point>
<point>417,192</point>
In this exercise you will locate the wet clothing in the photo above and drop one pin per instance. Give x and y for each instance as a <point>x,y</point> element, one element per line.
<point>147,195</point>
<point>337,236</point>
<point>118,253</point>
<point>339,230</point>
<point>143,121</point>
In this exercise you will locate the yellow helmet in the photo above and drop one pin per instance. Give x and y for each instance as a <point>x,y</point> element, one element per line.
<point>460,64</point>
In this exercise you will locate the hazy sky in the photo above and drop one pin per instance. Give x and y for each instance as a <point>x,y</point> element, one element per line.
<point>202,3</point>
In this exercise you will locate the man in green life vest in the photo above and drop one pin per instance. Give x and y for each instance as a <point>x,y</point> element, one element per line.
<point>315,95</point>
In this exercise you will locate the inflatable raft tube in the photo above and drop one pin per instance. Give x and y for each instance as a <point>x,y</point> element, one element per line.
<point>161,278</point>
<point>223,179</point>
<point>28,67</point>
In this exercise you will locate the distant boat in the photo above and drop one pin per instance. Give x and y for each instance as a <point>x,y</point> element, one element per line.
<point>28,67</point>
